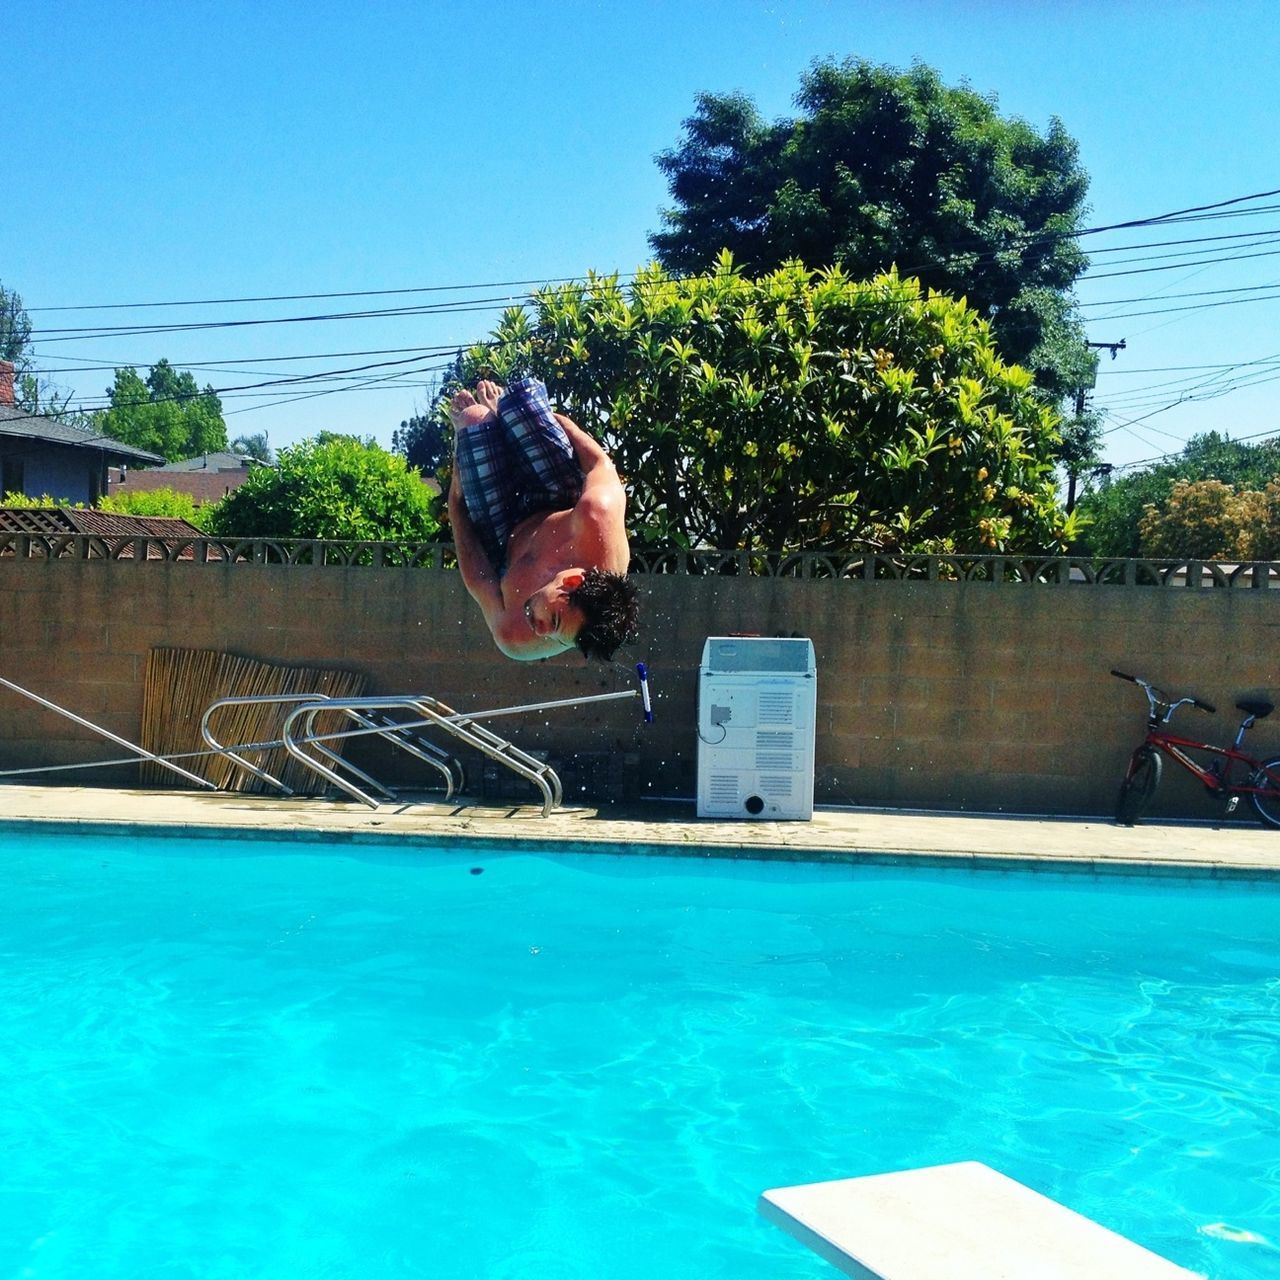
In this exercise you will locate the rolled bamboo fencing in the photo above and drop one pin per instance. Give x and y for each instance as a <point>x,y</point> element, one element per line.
<point>180,684</point>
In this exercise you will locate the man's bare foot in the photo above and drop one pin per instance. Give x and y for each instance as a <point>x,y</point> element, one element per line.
<point>464,411</point>
<point>489,393</point>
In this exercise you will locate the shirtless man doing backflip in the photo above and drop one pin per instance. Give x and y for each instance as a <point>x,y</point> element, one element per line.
<point>537,513</point>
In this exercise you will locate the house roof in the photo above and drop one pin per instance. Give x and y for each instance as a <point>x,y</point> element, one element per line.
<point>14,422</point>
<point>103,524</point>
<point>203,486</point>
<point>213,462</point>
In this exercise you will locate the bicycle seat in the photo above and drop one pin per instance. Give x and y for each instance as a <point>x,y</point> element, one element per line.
<point>1257,709</point>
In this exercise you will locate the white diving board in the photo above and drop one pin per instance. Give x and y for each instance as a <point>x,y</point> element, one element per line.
<point>955,1222</point>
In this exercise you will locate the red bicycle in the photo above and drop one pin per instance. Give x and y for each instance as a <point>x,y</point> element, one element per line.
<point>1229,775</point>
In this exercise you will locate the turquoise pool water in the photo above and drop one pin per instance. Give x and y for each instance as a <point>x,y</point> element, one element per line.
<point>269,1060</point>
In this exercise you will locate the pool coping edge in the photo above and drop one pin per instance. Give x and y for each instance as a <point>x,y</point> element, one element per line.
<point>988,861</point>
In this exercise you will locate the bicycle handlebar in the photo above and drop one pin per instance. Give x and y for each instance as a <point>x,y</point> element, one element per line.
<point>1152,691</point>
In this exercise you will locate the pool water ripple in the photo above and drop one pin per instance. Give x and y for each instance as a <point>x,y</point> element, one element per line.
<point>276,1061</point>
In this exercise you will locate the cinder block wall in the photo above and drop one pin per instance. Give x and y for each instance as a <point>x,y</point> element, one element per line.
<point>938,695</point>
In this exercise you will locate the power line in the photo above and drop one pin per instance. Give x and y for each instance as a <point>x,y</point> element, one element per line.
<point>1166,457</point>
<point>322,375</point>
<point>1222,209</point>
<point>306,297</point>
<point>1165,244</point>
<point>466,307</point>
<point>1214,373</point>
<point>418,354</point>
<point>1177,368</point>
<point>101,438</point>
<point>49,336</point>
<point>117,331</point>
<point>222,366</point>
<point>1178,214</point>
<point>1194,213</point>
<point>85,406</point>
<point>1179,266</point>
<point>470,305</point>
<point>1204,293</point>
<point>1128,427</point>
<point>1261,365</point>
<point>329,391</point>
<point>1204,306</point>
<point>1201,393</point>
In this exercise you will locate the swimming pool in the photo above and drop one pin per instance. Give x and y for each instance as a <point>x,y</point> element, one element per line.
<point>225,1059</point>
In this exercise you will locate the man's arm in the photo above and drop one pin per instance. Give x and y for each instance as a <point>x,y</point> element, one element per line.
<point>600,513</point>
<point>478,575</point>
<point>588,452</point>
<point>601,485</point>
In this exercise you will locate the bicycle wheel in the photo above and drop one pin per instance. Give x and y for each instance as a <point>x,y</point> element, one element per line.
<point>1267,802</point>
<point>1139,785</point>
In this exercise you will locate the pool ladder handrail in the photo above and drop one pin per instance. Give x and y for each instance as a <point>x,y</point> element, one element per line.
<point>432,713</point>
<point>373,718</point>
<point>396,733</point>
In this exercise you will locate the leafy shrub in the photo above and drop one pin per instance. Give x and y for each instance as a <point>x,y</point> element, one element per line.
<point>1209,520</point>
<point>334,487</point>
<point>800,410</point>
<point>1112,513</point>
<point>22,502</point>
<point>159,502</point>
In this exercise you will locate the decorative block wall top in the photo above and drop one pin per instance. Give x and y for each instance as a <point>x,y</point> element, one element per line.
<point>33,544</point>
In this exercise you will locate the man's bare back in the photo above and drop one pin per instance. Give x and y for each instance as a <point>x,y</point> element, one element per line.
<point>545,600</point>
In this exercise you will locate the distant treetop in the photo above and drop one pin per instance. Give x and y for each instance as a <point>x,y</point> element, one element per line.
<point>886,168</point>
<point>167,413</point>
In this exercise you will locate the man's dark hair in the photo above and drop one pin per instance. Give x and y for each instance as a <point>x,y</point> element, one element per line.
<point>611,607</point>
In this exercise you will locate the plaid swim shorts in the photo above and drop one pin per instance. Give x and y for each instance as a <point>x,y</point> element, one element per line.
<point>515,465</point>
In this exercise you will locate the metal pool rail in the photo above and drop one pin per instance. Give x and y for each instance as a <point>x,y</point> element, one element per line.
<point>378,717</point>
<point>399,720</point>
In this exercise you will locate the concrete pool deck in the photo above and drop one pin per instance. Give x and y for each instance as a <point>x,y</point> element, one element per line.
<point>1069,844</point>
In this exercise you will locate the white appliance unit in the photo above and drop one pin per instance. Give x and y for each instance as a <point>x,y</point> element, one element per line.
<point>757,708</point>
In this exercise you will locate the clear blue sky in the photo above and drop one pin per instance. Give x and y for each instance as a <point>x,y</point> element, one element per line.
<point>164,152</point>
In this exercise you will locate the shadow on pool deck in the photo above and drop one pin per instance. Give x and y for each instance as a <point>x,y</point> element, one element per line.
<point>671,827</point>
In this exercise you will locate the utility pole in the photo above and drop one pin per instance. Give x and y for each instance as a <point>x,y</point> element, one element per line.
<point>1081,402</point>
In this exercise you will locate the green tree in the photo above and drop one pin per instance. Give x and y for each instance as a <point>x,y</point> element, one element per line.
<point>424,438</point>
<point>1258,518</point>
<point>1080,451</point>
<point>330,437</point>
<point>166,414</point>
<point>1197,520</point>
<point>802,410</point>
<point>881,168</point>
<point>15,330</point>
<point>423,441</point>
<point>32,393</point>
<point>1209,520</point>
<point>1113,510</point>
<point>335,487</point>
<point>255,446</point>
